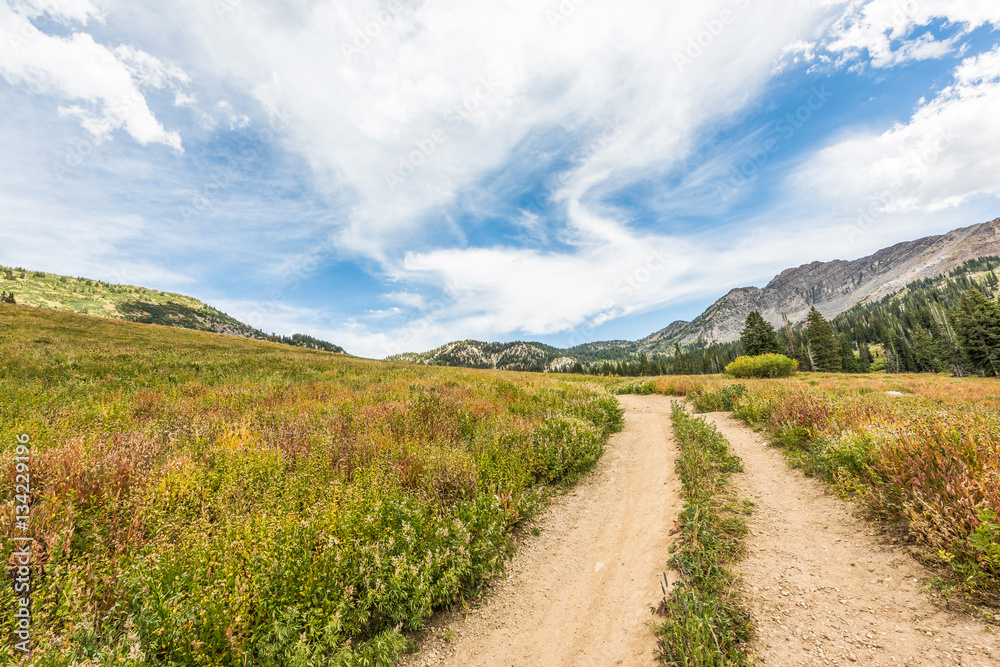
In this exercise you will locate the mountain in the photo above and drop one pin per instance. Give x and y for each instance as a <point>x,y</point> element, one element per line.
<point>517,356</point>
<point>833,287</point>
<point>135,304</point>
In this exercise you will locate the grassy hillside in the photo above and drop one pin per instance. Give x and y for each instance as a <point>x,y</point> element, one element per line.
<point>132,303</point>
<point>203,499</point>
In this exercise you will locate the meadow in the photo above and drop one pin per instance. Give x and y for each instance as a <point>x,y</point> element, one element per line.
<point>920,452</point>
<point>198,499</point>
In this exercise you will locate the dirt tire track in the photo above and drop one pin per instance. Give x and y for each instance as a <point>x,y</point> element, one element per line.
<point>824,590</point>
<point>581,592</point>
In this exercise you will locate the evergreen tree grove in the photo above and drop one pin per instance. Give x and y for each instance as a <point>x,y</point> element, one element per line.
<point>758,336</point>
<point>977,325</point>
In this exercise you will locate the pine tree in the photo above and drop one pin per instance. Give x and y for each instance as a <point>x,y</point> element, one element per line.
<point>927,355</point>
<point>977,325</point>
<point>823,347</point>
<point>758,336</point>
<point>680,368</point>
<point>850,363</point>
<point>865,360</point>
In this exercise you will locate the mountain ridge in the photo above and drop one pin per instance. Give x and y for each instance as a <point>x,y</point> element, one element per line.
<point>835,286</point>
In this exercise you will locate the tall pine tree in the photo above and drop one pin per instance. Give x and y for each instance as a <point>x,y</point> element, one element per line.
<point>680,366</point>
<point>850,363</point>
<point>823,346</point>
<point>977,326</point>
<point>927,354</point>
<point>758,336</point>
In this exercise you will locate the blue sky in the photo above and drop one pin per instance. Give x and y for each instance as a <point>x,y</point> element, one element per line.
<point>391,175</point>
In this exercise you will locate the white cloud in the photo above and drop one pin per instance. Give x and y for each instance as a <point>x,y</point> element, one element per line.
<point>884,29</point>
<point>943,156</point>
<point>64,11</point>
<point>101,86</point>
<point>403,109</point>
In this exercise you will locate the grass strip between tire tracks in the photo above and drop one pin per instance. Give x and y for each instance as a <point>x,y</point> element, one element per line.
<point>706,623</point>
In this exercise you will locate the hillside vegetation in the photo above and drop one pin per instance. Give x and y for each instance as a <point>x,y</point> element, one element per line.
<point>199,499</point>
<point>134,304</point>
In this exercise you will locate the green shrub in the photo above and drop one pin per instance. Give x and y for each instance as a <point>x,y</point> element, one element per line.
<point>720,400</point>
<point>642,387</point>
<point>763,366</point>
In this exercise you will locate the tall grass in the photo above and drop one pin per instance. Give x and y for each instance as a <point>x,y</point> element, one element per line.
<point>199,499</point>
<point>706,623</point>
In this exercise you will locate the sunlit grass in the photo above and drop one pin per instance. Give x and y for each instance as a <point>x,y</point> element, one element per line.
<point>202,499</point>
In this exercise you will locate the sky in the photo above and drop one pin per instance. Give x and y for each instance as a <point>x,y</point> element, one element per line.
<point>391,175</point>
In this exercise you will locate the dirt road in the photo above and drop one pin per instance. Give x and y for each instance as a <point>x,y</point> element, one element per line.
<point>821,586</point>
<point>824,590</point>
<point>581,592</point>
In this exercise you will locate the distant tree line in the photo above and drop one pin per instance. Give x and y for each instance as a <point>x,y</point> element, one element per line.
<point>302,340</point>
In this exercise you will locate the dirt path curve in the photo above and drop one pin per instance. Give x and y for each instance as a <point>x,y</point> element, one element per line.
<point>581,592</point>
<point>823,589</point>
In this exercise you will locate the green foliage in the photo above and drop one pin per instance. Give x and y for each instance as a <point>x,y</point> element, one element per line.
<point>823,346</point>
<point>205,499</point>
<point>982,571</point>
<point>723,399</point>
<point>763,366</point>
<point>641,387</point>
<point>707,622</point>
<point>977,323</point>
<point>302,340</point>
<point>758,336</point>
<point>908,332</point>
